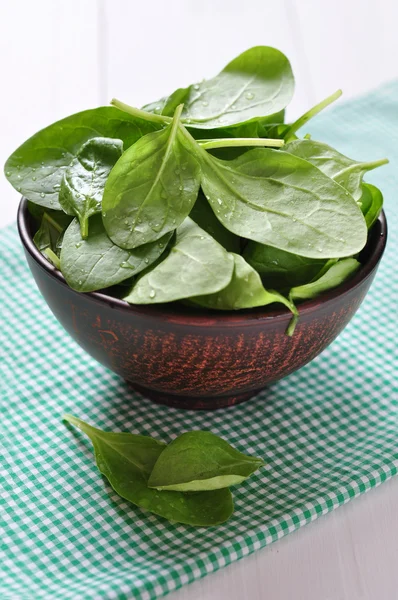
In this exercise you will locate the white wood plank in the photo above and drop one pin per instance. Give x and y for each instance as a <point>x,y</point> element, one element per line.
<point>50,69</point>
<point>350,554</point>
<point>155,47</point>
<point>349,44</point>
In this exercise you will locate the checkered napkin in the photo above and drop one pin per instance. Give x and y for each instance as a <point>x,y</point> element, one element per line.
<point>328,432</point>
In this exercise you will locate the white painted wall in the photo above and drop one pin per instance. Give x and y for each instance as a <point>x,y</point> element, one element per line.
<point>58,57</point>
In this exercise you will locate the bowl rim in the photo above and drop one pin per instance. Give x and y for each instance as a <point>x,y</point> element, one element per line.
<point>188,316</point>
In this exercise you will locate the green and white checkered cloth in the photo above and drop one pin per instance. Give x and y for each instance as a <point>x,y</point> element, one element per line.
<point>328,432</point>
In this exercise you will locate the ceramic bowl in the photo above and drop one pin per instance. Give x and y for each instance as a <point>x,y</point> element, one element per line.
<point>199,359</point>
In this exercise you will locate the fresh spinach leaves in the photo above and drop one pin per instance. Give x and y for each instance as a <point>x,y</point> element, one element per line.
<point>334,276</point>
<point>156,477</point>
<point>371,203</point>
<point>203,265</point>
<point>206,197</point>
<point>200,460</point>
<point>96,262</point>
<point>280,269</point>
<point>257,83</point>
<point>245,290</point>
<point>84,180</point>
<point>345,171</point>
<point>36,168</point>
<point>278,199</point>
<point>152,188</point>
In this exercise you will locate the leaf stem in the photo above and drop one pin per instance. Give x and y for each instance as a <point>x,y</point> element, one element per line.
<point>236,142</point>
<point>142,114</point>
<point>84,228</point>
<point>79,423</point>
<point>52,257</point>
<point>52,222</point>
<point>311,113</point>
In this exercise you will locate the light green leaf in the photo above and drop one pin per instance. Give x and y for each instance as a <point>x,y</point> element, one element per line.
<point>84,180</point>
<point>96,262</point>
<point>196,264</point>
<point>278,199</point>
<point>151,189</point>
<point>198,461</point>
<point>36,168</point>
<point>334,276</point>
<point>127,460</point>
<point>245,290</point>
<point>257,83</point>
<point>345,171</point>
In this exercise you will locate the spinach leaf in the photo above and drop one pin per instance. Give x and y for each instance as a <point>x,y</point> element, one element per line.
<point>48,238</point>
<point>127,460</point>
<point>257,128</point>
<point>280,269</point>
<point>84,180</point>
<point>347,172</point>
<point>196,264</point>
<point>334,276</point>
<point>203,216</point>
<point>152,188</point>
<point>198,461</point>
<point>96,262</point>
<point>371,203</point>
<point>36,168</point>
<point>245,290</point>
<point>257,83</point>
<point>276,198</point>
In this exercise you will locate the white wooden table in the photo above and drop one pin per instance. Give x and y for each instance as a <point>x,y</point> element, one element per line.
<point>57,58</point>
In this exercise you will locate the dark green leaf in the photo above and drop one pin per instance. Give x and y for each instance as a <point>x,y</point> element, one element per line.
<point>199,461</point>
<point>334,276</point>
<point>371,203</point>
<point>278,199</point>
<point>347,172</point>
<point>203,216</point>
<point>96,262</point>
<point>127,460</point>
<point>36,168</point>
<point>196,264</point>
<point>151,189</point>
<point>257,83</point>
<point>84,180</point>
<point>280,269</point>
<point>245,290</point>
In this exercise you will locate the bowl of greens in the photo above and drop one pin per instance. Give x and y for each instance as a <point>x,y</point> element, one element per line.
<point>197,246</point>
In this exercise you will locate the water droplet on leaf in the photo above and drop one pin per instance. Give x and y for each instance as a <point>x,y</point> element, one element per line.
<point>34,178</point>
<point>196,86</point>
<point>152,294</point>
<point>78,245</point>
<point>42,195</point>
<point>249,95</point>
<point>205,103</point>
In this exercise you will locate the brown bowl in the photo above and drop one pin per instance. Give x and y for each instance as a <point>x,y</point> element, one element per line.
<point>193,358</point>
